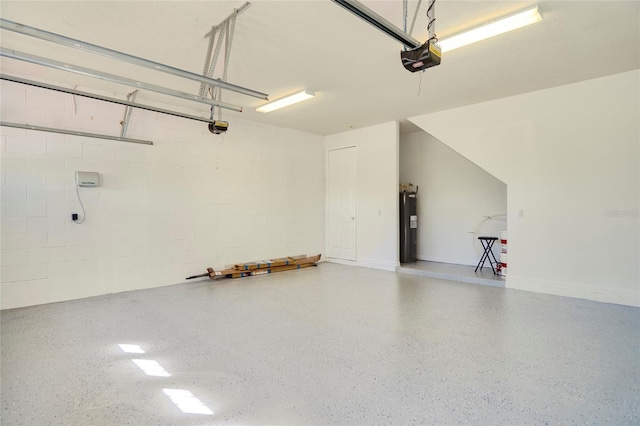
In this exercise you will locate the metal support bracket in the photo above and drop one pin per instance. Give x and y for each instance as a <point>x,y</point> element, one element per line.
<point>372,18</point>
<point>64,66</point>
<point>235,12</point>
<point>131,97</point>
<point>6,24</point>
<point>72,132</point>
<point>220,34</point>
<point>415,15</point>
<point>103,98</point>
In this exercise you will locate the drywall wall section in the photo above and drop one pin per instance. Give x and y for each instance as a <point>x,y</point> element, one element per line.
<point>570,159</point>
<point>377,206</point>
<point>162,212</point>
<point>457,200</point>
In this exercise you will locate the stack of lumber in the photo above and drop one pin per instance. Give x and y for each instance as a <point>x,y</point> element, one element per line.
<point>262,267</point>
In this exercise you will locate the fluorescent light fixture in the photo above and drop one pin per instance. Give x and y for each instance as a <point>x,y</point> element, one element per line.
<point>289,100</point>
<point>186,402</point>
<point>151,367</point>
<point>519,20</point>
<point>131,349</point>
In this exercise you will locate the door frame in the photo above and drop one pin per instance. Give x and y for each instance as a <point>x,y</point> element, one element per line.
<point>326,197</point>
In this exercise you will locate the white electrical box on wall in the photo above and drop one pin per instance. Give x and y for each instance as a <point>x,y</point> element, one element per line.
<point>87,179</point>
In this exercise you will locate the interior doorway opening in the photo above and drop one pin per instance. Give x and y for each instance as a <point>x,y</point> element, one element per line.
<point>457,203</point>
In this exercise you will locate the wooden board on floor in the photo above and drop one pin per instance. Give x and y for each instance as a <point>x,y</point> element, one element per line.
<point>265,267</point>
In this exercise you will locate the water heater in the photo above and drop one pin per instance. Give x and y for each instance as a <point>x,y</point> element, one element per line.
<point>408,226</point>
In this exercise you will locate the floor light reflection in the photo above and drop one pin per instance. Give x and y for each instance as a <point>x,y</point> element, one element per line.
<point>186,402</point>
<point>131,349</point>
<point>151,367</point>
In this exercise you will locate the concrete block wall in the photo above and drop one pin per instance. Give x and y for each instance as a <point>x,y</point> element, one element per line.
<point>161,213</point>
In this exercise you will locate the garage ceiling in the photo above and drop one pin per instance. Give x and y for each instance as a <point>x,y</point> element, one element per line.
<point>281,47</point>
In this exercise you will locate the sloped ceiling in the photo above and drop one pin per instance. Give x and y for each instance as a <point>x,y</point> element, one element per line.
<point>281,47</point>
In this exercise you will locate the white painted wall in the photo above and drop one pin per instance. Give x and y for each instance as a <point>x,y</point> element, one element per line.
<point>455,198</point>
<point>163,212</point>
<point>570,158</point>
<point>377,217</point>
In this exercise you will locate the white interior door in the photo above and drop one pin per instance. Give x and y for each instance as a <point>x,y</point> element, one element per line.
<point>342,196</point>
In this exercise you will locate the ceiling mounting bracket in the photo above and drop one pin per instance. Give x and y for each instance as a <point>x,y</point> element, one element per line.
<point>217,30</point>
<point>415,15</point>
<point>372,18</point>
<point>221,34</point>
<point>131,97</point>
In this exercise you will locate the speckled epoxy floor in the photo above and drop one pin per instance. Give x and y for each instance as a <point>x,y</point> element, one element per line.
<point>448,271</point>
<point>327,345</point>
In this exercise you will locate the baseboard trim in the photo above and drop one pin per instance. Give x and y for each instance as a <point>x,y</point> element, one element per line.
<point>598,294</point>
<point>366,263</point>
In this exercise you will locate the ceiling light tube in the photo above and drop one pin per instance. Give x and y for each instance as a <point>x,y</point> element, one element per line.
<point>519,20</point>
<point>289,100</point>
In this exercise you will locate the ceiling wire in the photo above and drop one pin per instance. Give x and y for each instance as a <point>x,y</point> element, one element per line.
<point>405,9</point>
<point>431,27</point>
<point>84,213</point>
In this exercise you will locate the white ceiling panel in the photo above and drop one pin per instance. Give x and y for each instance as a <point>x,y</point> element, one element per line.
<point>281,47</point>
